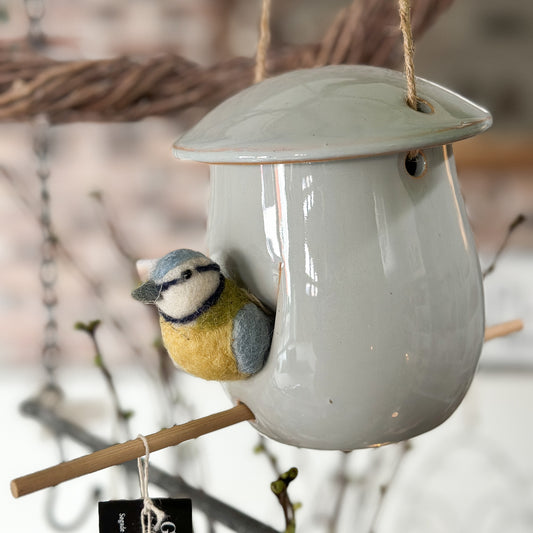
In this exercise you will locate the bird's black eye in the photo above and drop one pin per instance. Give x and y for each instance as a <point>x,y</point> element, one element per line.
<point>186,274</point>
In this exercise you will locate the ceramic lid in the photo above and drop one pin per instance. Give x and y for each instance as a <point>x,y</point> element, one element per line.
<point>329,113</point>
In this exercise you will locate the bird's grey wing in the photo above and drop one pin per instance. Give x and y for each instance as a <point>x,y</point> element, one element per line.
<point>252,335</point>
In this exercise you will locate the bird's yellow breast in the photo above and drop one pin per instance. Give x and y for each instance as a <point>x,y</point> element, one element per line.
<point>203,348</point>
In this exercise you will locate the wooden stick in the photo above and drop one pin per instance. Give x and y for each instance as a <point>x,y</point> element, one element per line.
<point>505,328</point>
<point>127,451</point>
<point>172,484</point>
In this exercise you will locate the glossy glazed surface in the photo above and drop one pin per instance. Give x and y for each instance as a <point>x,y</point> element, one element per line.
<point>377,289</point>
<point>329,113</point>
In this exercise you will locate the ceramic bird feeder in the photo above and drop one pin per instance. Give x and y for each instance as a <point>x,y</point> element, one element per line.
<point>319,207</point>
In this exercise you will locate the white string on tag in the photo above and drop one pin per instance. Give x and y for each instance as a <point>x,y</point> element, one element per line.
<point>149,507</point>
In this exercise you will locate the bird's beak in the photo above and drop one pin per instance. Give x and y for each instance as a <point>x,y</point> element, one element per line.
<point>147,293</point>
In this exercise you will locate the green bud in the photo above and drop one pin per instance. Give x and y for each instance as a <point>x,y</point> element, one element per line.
<point>98,362</point>
<point>278,487</point>
<point>290,475</point>
<point>127,414</point>
<point>88,327</point>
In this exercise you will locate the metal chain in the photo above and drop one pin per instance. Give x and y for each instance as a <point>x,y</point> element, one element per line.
<point>51,395</point>
<point>35,10</point>
<point>48,267</point>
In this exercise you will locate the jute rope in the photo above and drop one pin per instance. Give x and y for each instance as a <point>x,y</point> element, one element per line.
<point>409,52</point>
<point>263,43</point>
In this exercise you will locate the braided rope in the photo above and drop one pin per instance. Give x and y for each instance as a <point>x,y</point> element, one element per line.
<point>125,89</point>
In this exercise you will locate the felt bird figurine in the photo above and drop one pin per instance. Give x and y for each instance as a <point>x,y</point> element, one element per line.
<point>211,328</point>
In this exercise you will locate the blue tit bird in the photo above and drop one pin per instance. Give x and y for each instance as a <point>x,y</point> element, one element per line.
<point>211,328</point>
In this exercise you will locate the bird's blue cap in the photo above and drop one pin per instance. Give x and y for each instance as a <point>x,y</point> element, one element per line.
<point>172,260</point>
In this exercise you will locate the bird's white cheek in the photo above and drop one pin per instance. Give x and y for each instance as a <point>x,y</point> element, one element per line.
<point>184,299</point>
<point>177,302</point>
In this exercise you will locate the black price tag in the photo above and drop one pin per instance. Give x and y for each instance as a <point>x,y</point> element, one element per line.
<point>124,516</point>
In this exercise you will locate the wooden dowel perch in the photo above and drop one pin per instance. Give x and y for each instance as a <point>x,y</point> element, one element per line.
<point>503,329</point>
<point>127,451</point>
<point>132,449</point>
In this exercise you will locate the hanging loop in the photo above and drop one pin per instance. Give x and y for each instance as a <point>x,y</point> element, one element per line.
<point>149,508</point>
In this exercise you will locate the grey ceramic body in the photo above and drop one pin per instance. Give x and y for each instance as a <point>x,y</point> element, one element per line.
<point>372,272</point>
<point>376,284</point>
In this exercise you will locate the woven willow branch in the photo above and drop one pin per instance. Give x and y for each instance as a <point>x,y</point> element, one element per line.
<point>128,89</point>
